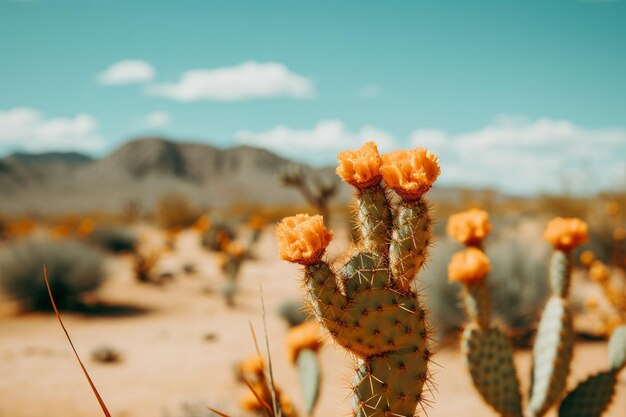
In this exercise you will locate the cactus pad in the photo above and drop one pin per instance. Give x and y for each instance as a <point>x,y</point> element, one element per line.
<point>374,219</point>
<point>591,397</point>
<point>617,349</point>
<point>375,397</point>
<point>552,355</point>
<point>378,324</point>
<point>409,242</point>
<point>490,360</point>
<point>560,266</point>
<point>309,374</point>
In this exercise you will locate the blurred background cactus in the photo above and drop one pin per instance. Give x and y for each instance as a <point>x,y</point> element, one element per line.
<point>489,355</point>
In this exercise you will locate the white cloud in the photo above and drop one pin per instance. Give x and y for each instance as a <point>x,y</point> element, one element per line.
<point>158,119</point>
<point>513,154</point>
<point>28,129</point>
<point>129,71</point>
<point>370,91</point>
<point>519,155</point>
<point>246,81</point>
<point>317,145</point>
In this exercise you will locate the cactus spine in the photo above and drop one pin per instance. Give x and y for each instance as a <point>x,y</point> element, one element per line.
<point>368,305</point>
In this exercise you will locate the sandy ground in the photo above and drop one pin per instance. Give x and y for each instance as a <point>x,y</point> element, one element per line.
<point>180,343</point>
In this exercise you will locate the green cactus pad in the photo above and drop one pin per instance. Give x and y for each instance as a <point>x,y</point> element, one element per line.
<point>309,375</point>
<point>374,219</point>
<point>560,273</point>
<point>389,385</point>
<point>377,324</point>
<point>591,397</point>
<point>477,303</point>
<point>409,242</point>
<point>378,319</point>
<point>617,349</point>
<point>552,355</point>
<point>489,358</point>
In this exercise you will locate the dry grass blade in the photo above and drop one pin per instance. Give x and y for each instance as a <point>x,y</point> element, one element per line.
<point>277,410</point>
<point>269,410</point>
<point>217,412</point>
<point>56,311</point>
<point>261,401</point>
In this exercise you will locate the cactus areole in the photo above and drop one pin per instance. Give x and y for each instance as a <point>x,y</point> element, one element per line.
<point>369,305</point>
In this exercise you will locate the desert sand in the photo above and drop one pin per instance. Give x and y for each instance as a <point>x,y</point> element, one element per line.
<point>180,343</point>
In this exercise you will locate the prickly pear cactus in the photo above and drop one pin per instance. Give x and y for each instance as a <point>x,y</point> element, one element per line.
<point>488,353</point>
<point>368,305</point>
<point>554,344</point>
<point>552,355</point>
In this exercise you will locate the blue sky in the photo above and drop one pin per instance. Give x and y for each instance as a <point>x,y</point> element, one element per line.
<point>523,96</point>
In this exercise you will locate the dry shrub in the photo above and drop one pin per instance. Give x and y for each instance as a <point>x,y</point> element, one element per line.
<point>74,269</point>
<point>113,238</point>
<point>176,211</point>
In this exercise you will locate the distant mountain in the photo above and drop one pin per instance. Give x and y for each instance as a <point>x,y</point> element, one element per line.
<point>143,171</point>
<point>69,158</point>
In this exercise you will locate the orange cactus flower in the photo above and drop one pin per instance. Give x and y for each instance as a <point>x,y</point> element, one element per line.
<point>302,238</point>
<point>566,233</point>
<point>256,222</point>
<point>249,402</point>
<point>253,365</point>
<point>587,257</point>
<point>361,167</point>
<point>599,272</point>
<point>305,336</point>
<point>410,173</point>
<point>235,249</point>
<point>469,227</point>
<point>202,224</point>
<point>468,266</point>
<point>613,209</point>
<point>85,228</point>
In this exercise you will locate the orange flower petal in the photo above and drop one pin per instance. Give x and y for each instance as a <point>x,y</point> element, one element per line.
<point>468,266</point>
<point>361,167</point>
<point>469,227</point>
<point>302,238</point>
<point>566,233</point>
<point>410,173</point>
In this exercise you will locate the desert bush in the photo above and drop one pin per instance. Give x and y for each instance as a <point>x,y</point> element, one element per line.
<point>218,234</point>
<point>113,238</point>
<point>74,269</point>
<point>175,211</point>
<point>517,283</point>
